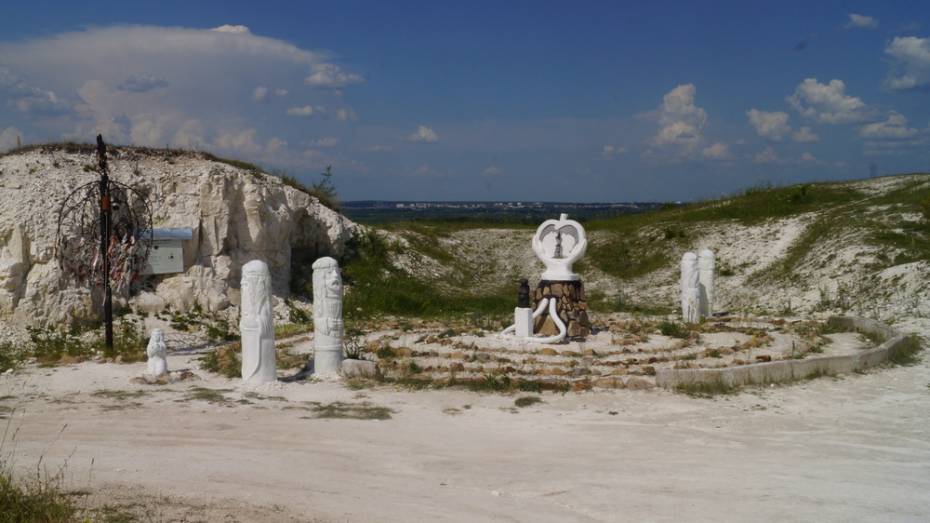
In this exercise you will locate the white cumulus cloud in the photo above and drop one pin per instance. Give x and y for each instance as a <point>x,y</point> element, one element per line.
<point>306,111</point>
<point>893,128</point>
<point>326,141</point>
<point>260,94</point>
<point>152,85</point>
<point>807,157</point>
<point>235,29</point>
<point>911,67</point>
<point>767,155</point>
<point>828,103</point>
<point>492,171</point>
<point>681,122</point>
<point>612,151</point>
<point>332,76</point>
<point>423,134</point>
<point>805,135</point>
<point>772,126</point>
<point>142,83</point>
<point>717,151</point>
<point>857,21</point>
<point>344,114</point>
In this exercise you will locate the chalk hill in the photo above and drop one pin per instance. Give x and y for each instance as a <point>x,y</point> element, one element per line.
<point>236,212</point>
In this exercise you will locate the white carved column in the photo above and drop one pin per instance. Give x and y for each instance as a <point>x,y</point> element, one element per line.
<point>706,281</point>
<point>256,326</point>
<point>327,317</point>
<point>690,295</point>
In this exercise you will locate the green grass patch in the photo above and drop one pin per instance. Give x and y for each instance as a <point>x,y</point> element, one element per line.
<point>601,302</point>
<point>286,330</point>
<point>757,204</point>
<point>526,401</point>
<point>120,395</point>
<point>285,359</point>
<point>11,356</point>
<point>706,390</point>
<point>209,395</point>
<point>34,501</point>
<point>377,288</point>
<point>341,410</point>
<point>225,360</point>
<point>633,245</point>
<point>256,396</point>
<point>54,346</point>
<point>673,329</point>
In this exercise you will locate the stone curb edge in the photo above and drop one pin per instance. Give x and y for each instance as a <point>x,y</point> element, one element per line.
<point>792,370</point>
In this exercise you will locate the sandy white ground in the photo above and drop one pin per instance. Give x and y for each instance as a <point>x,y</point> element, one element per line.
<point>855,448</point>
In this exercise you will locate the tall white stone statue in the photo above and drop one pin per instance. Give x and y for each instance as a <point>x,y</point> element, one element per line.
<point>256,325</point>
<point>559,244</point>
<point>706,282</point>
<point>690,293</point>
<point>327,317</point>
<point>158,355</point>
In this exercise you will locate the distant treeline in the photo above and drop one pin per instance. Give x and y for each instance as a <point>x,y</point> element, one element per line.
<point>376,212</point>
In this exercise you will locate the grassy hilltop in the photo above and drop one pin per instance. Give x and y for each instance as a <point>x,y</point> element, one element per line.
<point>438,268</point>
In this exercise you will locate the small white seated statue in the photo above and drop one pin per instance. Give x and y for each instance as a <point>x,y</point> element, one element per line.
<point>690,293</point>
<point>256,325</point>
<point>158,354</point>
<point>327,317</point>
<point>559,244</point>
<point>706,282</point>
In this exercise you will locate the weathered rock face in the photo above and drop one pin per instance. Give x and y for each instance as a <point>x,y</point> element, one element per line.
<point>236,215</point>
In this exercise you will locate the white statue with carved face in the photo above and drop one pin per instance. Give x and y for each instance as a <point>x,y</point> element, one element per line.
<point>690,292</point>
<point>158,354</point>
<point>706,264</point>
<point>256,326</point>
<point>327,317</point>
<point>559,244</point>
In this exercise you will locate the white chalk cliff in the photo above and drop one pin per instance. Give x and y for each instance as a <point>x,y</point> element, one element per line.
<point>236,215</point>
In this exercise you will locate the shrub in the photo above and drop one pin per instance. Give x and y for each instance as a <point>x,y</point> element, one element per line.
<point>673,329</point>
<point>224,360</point>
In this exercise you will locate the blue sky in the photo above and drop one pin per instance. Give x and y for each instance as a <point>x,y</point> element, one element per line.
<point>481,101</point>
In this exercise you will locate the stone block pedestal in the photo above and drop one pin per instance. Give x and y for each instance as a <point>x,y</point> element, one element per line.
<point>523,322</point>
<point>570,306</point>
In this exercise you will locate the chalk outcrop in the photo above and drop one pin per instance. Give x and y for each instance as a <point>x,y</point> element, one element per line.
<point>236,214</point>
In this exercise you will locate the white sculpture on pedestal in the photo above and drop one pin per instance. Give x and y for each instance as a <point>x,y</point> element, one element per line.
<point>256,326</point>
<point>706,282</point>
<point>690,294</point>
<point>327,317</point>
<point>158,355</point>
<point>559,244</point>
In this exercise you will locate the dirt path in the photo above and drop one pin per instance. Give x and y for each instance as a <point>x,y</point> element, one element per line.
<point>856,448</point>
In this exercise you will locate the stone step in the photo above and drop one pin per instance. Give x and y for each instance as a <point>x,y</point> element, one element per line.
<point>401,367</point>
<point>696,354</point>
<point>559,383</point>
